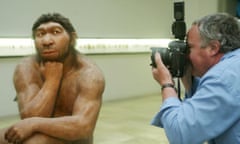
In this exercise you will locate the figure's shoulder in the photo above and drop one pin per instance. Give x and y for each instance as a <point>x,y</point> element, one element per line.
<point>88,64</point>
<point>28,60</point>
<point>89,69</point>
<point>26,63</point>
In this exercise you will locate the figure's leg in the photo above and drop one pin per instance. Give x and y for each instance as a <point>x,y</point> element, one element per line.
<point>43,139</point>
<point>84,141</point>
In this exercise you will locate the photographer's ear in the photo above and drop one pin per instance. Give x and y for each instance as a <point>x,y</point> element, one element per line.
<point>215,47</point>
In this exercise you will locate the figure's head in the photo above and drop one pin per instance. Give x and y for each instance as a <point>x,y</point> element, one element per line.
<point>53,17</point>
<point>53,33</point>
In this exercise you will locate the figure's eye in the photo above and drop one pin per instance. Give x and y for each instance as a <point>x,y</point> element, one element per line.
<point>39,33</point>
<point>57,31</point>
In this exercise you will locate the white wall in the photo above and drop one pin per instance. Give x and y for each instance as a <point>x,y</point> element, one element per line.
<point>7,93</point>
<point>103,18</point>
<point>127,75</point>
<point>92,18</point>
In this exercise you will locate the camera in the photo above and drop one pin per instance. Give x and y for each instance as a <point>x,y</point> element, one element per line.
<point>175,56</point>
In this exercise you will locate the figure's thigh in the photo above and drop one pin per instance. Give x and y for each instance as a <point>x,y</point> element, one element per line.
<point>43,139</point>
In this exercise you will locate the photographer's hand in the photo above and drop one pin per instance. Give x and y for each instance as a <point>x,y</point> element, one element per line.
<point>162,75</point>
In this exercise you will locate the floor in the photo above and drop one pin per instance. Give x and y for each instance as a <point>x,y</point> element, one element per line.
<point>124,122</point>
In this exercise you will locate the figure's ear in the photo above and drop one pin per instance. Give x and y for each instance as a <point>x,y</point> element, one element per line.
<point>215,47</point>
<point>73,38</point>
<point>74,34</point>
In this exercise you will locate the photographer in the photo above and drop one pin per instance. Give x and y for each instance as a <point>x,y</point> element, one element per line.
<point>210,110</point>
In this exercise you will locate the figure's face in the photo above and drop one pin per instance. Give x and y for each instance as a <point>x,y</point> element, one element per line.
<point>52,41</point>
<point>200,57</point>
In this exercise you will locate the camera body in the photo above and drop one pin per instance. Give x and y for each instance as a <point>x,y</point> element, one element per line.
<point>174,57</point>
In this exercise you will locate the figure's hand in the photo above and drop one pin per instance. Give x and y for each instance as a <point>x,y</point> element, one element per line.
<point>18,132</point>
<point>161,74</point>
<point>51,70</point>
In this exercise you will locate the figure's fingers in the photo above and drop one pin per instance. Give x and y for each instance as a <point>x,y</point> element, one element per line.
<point>15,138</point>
<point>41,65</point>
<point>9,135</point>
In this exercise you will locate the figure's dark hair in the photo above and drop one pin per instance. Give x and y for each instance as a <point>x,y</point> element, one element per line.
<point>53,17</point>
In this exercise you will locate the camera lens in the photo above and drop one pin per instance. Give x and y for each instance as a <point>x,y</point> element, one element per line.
<point>174,57</point>
<point>164,52</point>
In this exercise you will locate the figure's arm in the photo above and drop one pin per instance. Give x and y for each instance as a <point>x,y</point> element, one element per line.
<point>37,87</point>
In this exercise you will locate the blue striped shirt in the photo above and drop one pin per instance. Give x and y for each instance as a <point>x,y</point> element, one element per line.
<point>211,113</point>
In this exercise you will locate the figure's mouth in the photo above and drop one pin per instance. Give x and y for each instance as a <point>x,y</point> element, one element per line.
<point>49,52</point>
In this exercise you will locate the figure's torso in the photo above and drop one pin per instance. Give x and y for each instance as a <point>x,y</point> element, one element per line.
<point>69,90</point>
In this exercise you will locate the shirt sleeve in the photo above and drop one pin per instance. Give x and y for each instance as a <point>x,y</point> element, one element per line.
<point>169,103</point>
<point>174,102</point>
<point>210,111</point>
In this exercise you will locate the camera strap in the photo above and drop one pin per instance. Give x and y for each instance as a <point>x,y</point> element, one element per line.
<point>179,89</point>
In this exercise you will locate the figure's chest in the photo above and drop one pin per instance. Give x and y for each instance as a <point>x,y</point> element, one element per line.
<point>66,97</point>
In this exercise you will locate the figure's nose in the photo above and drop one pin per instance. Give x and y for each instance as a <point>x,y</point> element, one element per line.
<point>47,40</point>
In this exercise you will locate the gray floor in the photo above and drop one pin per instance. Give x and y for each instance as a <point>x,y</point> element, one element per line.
<point>124,122</point>
<point>128,122</point>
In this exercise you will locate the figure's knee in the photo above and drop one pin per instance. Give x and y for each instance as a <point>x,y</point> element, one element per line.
<point>42,139</point>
